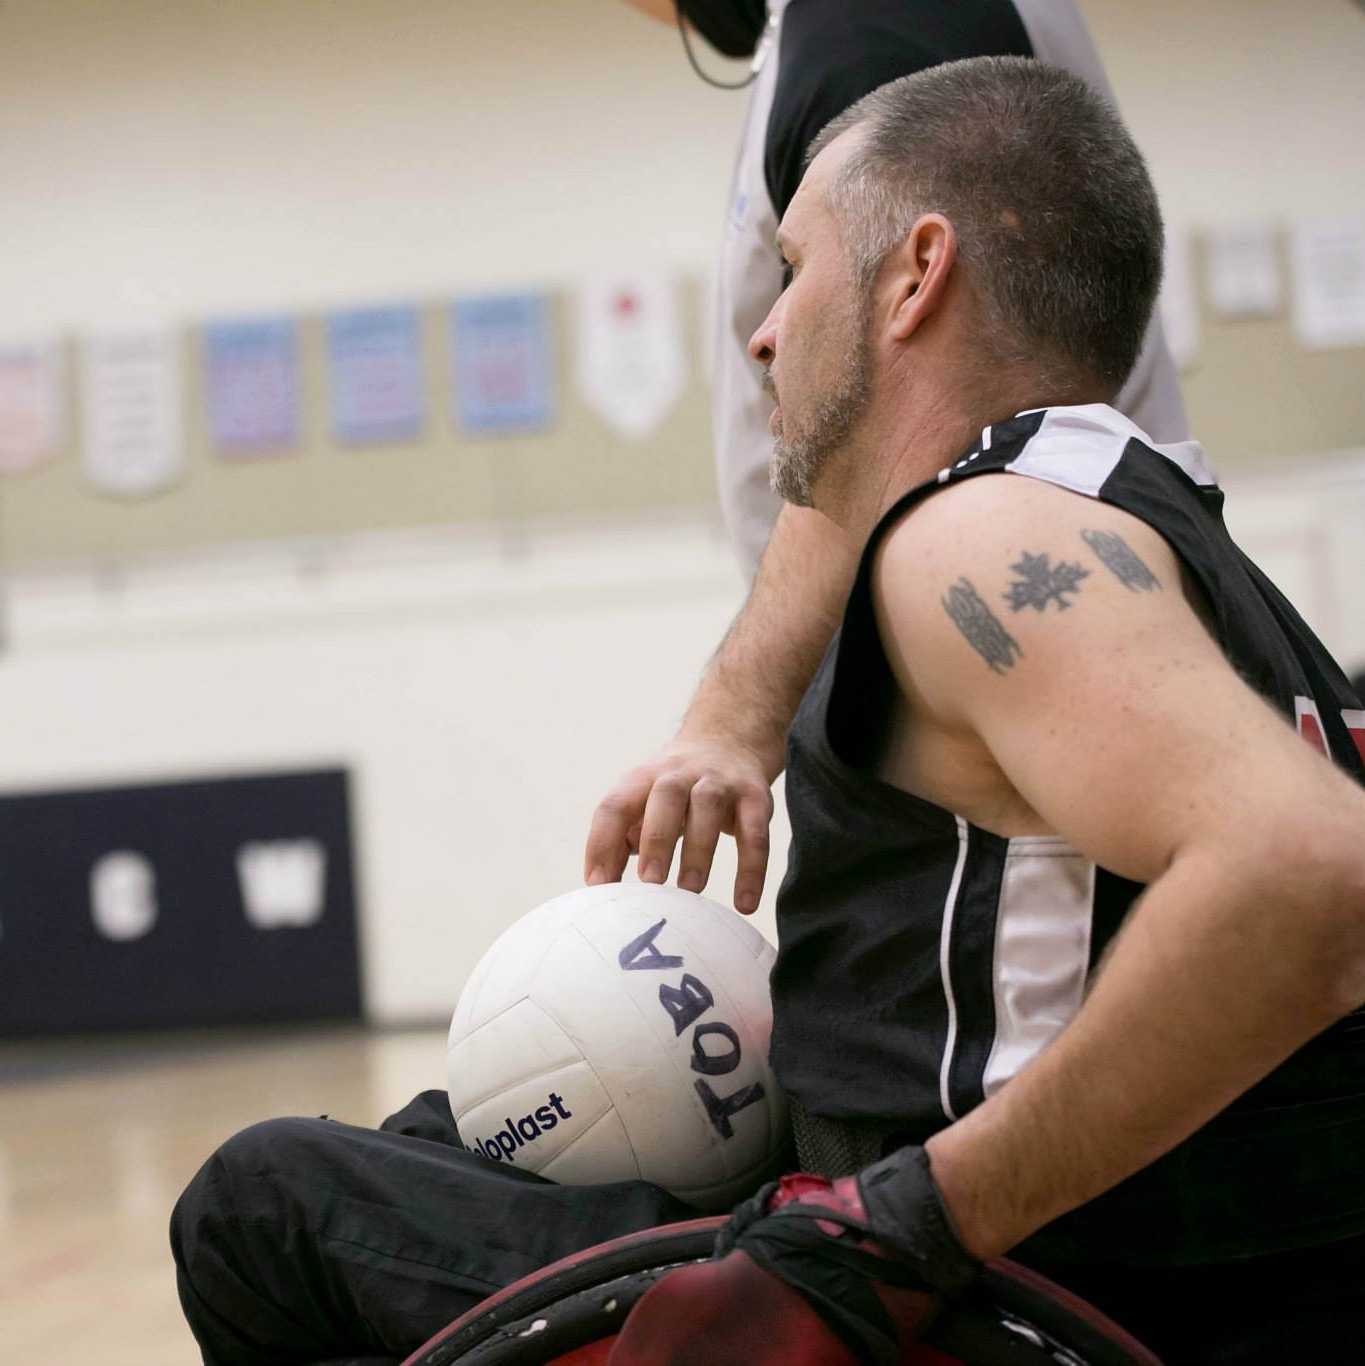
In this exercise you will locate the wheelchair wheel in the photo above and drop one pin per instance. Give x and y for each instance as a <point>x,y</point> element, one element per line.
<point>569,1314</point>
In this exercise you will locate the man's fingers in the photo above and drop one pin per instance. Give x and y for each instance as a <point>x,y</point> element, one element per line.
<point>696,796</point>
<point>662,828</point>
<point>709,811</point>
<point>609,836</point>
<point>753,816</point>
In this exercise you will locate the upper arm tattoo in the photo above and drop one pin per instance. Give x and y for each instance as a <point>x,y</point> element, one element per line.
<point>1121,560</point>
<point>1041,582</point>
<point>981,626</point>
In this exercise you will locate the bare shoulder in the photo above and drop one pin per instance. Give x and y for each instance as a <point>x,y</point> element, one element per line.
<point>1000,512</point>
<point>1008,575</point>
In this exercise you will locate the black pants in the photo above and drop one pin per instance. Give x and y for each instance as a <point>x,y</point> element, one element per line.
<point>305,1239</point>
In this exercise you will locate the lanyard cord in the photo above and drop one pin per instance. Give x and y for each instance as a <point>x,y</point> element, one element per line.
<point>696,65</point>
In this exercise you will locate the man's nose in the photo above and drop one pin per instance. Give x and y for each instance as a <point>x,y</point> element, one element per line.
<point>763,344</point>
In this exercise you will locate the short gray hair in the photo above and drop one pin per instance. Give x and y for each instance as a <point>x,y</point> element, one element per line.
<point>1055,214</point>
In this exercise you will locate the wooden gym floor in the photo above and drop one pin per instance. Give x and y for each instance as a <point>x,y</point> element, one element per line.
<point>97,1140</point>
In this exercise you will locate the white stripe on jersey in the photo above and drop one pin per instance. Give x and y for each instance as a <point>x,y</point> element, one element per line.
<point>945,944</point>
<point>1079,447</point>
<point>1042,950</point>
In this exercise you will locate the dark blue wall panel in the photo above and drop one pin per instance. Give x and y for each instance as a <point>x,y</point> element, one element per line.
<point>196,903</point>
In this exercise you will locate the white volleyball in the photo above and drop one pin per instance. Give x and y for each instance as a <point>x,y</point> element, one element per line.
<point>621,1032</point>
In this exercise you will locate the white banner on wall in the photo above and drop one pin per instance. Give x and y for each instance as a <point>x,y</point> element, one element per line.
<point>131,406</point>
<point>1328,261</point>
<point>32,404</point>
<point>1243,270</point>
<point>631,366</point>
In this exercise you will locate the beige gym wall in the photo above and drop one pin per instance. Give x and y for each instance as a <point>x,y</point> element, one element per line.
<point>1251,110</point>
<point>485,684</point>
<point>174,162</point>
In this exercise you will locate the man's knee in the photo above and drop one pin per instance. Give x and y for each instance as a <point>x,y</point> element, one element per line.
<point>246,1181</point>
<point>240,1235</point>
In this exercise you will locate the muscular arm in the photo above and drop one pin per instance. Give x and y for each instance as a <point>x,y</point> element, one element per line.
<point>759,674</point>
<point>1119,723</point>
<point>714,778</point>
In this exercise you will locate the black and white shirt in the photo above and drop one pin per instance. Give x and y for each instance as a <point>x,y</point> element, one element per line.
<point>923,961</point>
<point>822,56</point>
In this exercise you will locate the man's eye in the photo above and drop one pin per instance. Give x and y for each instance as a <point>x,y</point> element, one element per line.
<point>786,273</point>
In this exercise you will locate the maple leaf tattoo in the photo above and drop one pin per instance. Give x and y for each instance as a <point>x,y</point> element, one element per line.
<point>1041,582</point>
<point>980,626</point>
<point>1121,560</point>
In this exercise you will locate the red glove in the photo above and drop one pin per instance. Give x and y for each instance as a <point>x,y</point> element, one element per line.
<point>725,1312</point>
<point>809,1273</point>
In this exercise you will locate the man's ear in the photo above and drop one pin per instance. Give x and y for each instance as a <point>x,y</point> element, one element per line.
<point>920,268</point>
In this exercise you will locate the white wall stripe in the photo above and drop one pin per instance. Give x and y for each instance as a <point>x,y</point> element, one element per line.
<point>945,944</point>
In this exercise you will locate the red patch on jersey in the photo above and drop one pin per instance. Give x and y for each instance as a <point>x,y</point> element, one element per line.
<point>1312,732</point>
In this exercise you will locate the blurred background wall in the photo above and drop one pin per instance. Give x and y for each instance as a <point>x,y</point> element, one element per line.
<point>485,631</point>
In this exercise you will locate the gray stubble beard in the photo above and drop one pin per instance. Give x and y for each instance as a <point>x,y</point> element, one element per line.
<point>796,466</point>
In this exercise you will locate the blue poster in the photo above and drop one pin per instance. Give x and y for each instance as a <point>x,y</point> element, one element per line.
<point>503,364</point>
<point>375,359</point>
<point>252,383</point>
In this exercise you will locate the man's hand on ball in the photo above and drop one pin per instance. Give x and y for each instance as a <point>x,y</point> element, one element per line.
<point>810,1272</point>
<point>695,790</point>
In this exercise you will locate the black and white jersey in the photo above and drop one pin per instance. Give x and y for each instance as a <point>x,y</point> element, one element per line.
<point>924,961</point>
<point>819,57</point>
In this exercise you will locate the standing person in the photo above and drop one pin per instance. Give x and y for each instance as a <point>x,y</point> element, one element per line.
<point>815,59</point>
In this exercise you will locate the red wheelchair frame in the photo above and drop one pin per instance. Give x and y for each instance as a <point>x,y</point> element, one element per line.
<point>569,1313</point>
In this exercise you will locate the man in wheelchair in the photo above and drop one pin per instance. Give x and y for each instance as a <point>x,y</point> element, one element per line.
<point>1072,941</point>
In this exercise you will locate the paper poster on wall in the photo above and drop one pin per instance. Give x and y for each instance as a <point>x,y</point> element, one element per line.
<point>504,362</point>
<point>374,360</point>
<point>1243,270</point>
<point>132,440</point>
<point>631,365</point>
<point>251,381</point>
<point>32,404</point>
<point>1328,264</point>
<point>1178,303</point>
